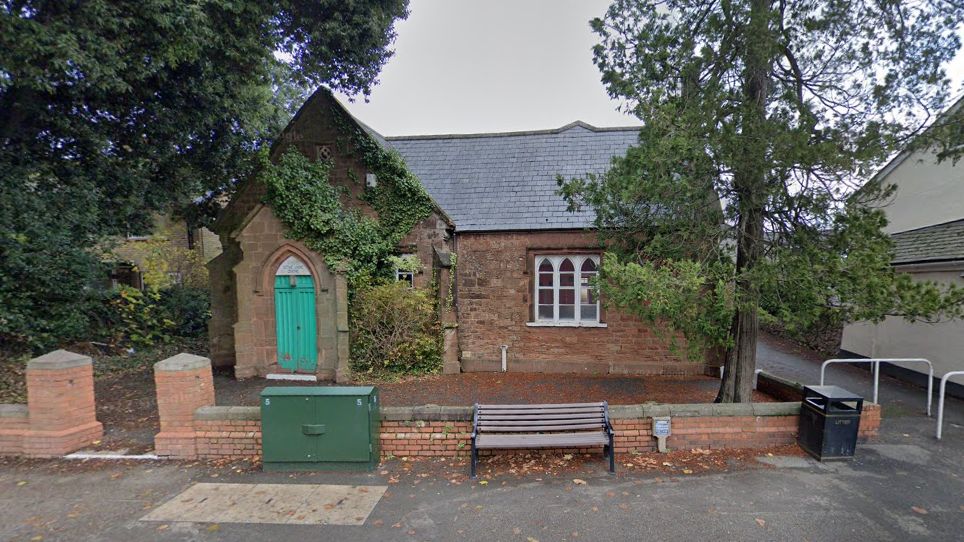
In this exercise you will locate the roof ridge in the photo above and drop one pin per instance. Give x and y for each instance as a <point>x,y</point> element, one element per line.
<point>550,131</point>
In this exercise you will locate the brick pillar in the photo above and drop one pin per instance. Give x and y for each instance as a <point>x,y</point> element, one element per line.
<point>60,403</point>
<point>184,384</point>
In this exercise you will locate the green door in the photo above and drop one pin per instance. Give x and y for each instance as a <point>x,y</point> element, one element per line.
<point>294,305</point>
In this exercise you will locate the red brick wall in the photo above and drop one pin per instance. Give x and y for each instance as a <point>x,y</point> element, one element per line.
<point>228,438</point>
<point>241,438</point>
<point>494,295</point>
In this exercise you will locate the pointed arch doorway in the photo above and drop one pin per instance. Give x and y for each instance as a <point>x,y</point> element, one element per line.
<point>295,326</point>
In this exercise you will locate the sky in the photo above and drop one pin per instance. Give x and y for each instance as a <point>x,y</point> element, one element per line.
<point>464,66</point>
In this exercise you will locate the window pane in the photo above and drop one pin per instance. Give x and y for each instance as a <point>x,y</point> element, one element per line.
<point>586,294</point>
<point>545,266</point>
<point>588,266</point>
<point>567,312</point>
<point>566,266</point>
<point>545,312</point>
<point>545,296</point>
<point>587,312</point>
<point>545,279</point>
<point>567,297</point>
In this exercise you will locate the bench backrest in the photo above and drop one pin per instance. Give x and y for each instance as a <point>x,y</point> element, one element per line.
<point>566,417</point>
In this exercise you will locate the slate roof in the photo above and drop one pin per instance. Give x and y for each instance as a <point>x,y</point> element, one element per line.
<point>507,181</point>
<point>938,243</point>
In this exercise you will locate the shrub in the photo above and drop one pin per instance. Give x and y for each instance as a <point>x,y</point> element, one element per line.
<point>135,317</point>
<point>394,330</point>
<point>131,317</point>
<point>188,307</point>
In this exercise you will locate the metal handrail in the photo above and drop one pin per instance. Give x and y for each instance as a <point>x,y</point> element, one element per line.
<point>940,400</point>
<point>875,368</point>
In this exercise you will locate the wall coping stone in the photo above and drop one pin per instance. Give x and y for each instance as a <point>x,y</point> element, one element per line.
<point>228,413</point>
<point>781,380</point>
<point>58,359</point>
<point>616,412</point>
<point>182,362</point>
<point>13,411</point>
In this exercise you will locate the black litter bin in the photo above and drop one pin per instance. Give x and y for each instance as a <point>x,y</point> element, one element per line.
<point>829,420</point>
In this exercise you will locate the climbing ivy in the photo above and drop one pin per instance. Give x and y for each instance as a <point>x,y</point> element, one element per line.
<point>300,194</point>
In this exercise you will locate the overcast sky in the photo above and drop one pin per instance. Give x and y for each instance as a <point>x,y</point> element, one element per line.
<point>464,66</point>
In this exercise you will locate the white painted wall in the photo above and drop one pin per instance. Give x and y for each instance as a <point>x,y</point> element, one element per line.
<point>942,343</point>
<point>928,192</point>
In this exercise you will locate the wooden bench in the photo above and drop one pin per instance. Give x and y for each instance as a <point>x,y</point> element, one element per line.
<point>570,425</point>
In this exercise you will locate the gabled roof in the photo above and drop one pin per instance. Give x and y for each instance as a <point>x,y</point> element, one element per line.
<point>931,244</point>
<point>507,181</point>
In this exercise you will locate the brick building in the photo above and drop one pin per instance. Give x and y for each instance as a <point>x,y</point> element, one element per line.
<point>522,263</point>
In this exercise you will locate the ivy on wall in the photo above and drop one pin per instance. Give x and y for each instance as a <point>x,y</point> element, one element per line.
<point>300,194</point>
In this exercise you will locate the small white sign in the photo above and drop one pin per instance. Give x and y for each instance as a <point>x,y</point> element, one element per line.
<point>662,427</point>
<point>293,266</point>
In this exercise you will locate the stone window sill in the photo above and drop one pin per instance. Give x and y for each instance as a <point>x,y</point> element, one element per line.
<point>566,324</point>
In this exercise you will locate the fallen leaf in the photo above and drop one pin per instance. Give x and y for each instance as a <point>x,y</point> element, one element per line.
<point>483,482</point>
<point>96,442</point>
<point>687,471</point>
<point>578,481</point>
<point>919,510</point>
<point>516,530</point>
<point>213,528</point>
<point>22,483</point>
<point>37,538</point>
<point>761,522</point>
<point>163,527</point>
<point>530,539</point>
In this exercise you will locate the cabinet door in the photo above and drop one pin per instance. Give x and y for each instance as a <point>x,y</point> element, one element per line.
<point>282,429</point>
<point>347,428</point>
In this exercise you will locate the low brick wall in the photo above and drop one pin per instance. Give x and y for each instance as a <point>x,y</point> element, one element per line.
<point>227,432</point>
<point>59,416</point>
<point>192,427</point>
<point>235,432</point>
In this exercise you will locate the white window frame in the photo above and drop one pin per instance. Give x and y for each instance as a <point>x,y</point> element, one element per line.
<point>556,261</point>
<point>405,276</point>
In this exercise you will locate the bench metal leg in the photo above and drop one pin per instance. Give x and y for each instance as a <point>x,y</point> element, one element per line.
<point>612,456</point>
<point>475,458</point>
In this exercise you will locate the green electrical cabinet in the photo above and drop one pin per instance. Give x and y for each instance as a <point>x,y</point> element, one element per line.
<point>320,428</point>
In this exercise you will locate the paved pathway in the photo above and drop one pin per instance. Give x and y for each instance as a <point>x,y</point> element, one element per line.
<point>898,398</point>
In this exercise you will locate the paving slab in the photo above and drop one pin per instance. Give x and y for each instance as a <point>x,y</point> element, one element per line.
<point>304,504</point>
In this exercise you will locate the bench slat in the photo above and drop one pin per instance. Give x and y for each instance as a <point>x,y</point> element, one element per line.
<point>597,438</point>
<point>544,406</point>
<point>534,416</point>
<point>542,428</point>
<point>509,423</point>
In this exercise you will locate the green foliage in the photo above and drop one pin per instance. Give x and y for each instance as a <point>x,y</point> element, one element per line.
<point>111,110</point>
<point>188,307</point>
<point>395,331</point>
<point>300,195</point>
<point>773,109</point>
<point>137,319</point>
<point>130,317</point>
<point>678,297</point>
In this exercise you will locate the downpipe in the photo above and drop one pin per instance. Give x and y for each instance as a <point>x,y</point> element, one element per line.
<point>505,349</point>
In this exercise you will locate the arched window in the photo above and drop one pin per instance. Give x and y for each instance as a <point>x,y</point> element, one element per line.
<point>545,291</point>
<point>567,290</point>
<point>564,289</point>
<point>588,301</point>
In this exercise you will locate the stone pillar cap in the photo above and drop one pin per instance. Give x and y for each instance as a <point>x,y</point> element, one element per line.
<point>182,362</point>
<point>58,359</point>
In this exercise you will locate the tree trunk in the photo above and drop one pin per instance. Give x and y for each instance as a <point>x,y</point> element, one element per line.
<point>750,184</point>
